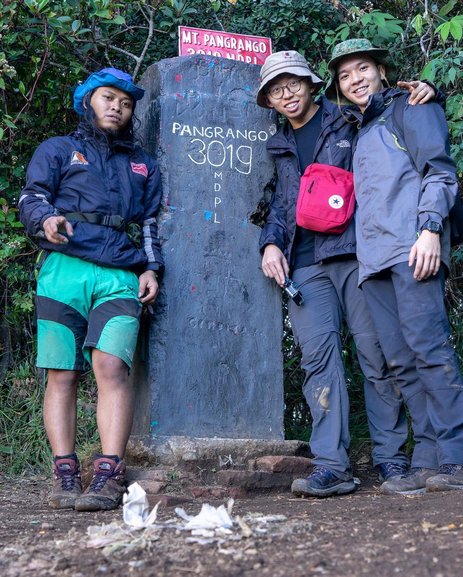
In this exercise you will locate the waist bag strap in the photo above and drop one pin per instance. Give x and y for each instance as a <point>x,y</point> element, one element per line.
<point>112,220</point>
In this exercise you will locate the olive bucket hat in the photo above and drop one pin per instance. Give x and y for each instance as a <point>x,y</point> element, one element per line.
<point>349,48</point>
<point>284,62</point>
<point>106,77</point>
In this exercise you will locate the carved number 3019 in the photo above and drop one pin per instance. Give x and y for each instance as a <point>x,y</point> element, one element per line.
<point>217,154</point>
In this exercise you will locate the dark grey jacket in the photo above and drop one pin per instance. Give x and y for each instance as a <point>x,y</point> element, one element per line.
<point>398,190</point>
<point>334,147</point>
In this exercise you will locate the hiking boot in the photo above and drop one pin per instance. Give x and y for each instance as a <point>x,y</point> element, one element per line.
<point>322,482</point>
<point>412,483</point>
<point>448,477</point>
<point>388,470</point>
<point>106,487</point>
<point>67,484</point>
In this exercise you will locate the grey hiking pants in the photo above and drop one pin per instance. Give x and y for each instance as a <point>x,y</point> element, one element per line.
<point>331,294</point>
<point>413,329</point>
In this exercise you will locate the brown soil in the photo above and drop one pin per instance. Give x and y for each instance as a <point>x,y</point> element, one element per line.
<point>361,534</point>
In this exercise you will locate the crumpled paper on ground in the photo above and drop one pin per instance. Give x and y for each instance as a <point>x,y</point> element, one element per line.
<point>210,525</point>
<point>141,528</point>
<point>136,513</point>
<point>208,518</point>
<point>135,510</point>
<point>115,537</point>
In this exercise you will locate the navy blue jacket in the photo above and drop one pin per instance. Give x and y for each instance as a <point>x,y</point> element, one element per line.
<point>333,147</point>
<point>82,173</point>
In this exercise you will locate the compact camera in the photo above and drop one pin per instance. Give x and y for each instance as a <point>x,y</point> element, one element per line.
<point>292,290</point>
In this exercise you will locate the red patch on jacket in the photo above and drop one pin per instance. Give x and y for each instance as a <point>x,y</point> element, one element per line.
<point>78,158</point>
<point>139,169</point>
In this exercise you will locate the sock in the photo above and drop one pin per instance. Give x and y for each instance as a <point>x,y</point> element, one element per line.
<point>112,457</point>
<point>72,456</point>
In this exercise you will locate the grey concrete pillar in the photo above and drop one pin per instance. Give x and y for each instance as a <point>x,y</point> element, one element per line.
<point>214,349</point>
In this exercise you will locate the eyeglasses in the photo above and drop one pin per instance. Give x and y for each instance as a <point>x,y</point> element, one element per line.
<point>277,91</point>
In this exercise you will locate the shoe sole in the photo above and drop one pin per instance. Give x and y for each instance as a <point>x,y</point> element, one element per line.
<point>446,487</point>
<point>69,504</point>
<point>96,504</point>
<point>343,489</point>
<point>383,479</point>
<point>411,492</point>
<point>63,502</point>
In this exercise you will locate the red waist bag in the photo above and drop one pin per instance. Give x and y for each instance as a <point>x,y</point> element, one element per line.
<point>326,200</point>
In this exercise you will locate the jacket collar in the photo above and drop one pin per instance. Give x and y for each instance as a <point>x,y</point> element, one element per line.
<point>377,103</point>
<point>86,132</point>
<point>284,140</point>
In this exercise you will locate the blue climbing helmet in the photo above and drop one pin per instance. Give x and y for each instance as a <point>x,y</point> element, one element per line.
<point>106,77</point>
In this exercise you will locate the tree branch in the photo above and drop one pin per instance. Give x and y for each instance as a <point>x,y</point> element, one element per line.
<point>148,41</point>
<point>37,78</point>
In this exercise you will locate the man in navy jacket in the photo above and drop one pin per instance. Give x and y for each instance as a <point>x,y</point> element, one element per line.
<point>90,202</point>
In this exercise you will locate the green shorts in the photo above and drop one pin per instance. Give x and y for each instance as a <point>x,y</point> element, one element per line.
<point>81,306</point>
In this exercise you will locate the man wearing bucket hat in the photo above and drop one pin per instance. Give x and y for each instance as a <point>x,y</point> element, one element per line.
<point>90,202</point>
<point>324,267</point>
<point>406,185</point>
<point>357,46</point>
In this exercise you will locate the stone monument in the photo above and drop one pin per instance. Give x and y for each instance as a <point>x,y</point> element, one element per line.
<point>213,361</point>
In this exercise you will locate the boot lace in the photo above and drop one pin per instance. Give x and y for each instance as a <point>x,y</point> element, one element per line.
<point>447,469</point>
<point>98,482</point>
<point>68,482</point>
<point>392,469</point>
<point>322,474</point>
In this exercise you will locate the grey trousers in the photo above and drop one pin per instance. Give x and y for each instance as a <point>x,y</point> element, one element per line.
<point>413,329</point>
<point>331,294</point>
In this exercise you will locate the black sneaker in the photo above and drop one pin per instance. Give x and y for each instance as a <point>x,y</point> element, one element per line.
<point>448,477</point>
<point>322,482</point>
<point>67,484</point>
<point>412,483</point>
<point>388,470</point>
<point>106,487</point>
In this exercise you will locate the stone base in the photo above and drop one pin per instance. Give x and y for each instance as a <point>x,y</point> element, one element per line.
<point>192,453</point>
<point>173,468</point>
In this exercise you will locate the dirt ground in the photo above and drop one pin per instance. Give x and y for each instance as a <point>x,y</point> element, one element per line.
<point>360,534</point>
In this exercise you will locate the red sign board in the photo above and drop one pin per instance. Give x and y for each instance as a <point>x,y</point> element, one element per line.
<point>250,49</point>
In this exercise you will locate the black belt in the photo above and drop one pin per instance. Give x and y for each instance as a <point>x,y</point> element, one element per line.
<point>115,221</point>
<point>112,220</point>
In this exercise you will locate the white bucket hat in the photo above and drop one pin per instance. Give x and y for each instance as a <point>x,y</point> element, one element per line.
<point>284,62</point>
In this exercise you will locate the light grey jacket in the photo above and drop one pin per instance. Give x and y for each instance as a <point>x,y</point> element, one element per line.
<point>398,190</point>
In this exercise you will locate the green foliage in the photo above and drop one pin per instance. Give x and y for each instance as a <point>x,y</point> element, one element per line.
<point>379,27</point>
<point>290,25</point>
<point>23,444</point>
<point>176,13</point>
<point>16,300</point>
<point>445,67</point>
<point>297,420</point>
<point>455,119</point>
